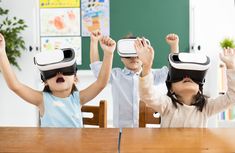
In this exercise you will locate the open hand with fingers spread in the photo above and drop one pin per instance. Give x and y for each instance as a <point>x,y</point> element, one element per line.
<point>228,57</point>
<point>145,53</point>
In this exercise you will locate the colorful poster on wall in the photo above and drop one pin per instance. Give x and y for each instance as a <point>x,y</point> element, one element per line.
<point>95,15</point>
<point>59,3</point>
<point>52,43</point>
<point>57,22</point>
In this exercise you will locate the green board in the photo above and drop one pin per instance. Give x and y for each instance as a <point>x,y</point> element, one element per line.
<point>153,19</point>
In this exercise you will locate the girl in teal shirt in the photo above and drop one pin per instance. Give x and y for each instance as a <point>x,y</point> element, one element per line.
<point>59,104</point>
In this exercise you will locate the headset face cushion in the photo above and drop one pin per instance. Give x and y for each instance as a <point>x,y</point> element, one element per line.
<point>71,70</point>
<point>176,75</point>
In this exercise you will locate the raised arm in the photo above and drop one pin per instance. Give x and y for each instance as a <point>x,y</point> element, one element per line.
<point>28,94</point>
<point>146,86</point>
<point>223,102</point>
<point>173,41</point>
<point>108,45</point>
<point>94,40</point>
<point>228,57</point>
<point>145,53</point>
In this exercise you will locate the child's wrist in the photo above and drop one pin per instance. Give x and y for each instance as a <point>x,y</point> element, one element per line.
<point>173,46</point>
<point>146,69</point>
<point>108,53</point>
<point>145,72</point>
<point>174,49</point>
<point>94,41</point>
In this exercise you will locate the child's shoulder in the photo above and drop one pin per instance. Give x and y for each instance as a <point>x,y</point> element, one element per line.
<point>75,92</point>
<point>117,70</point>
<point>164,68</point>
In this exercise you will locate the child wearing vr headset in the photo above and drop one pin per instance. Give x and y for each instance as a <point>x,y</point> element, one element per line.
<point>59,103</point>
<point>185,105</point>
<point>125,81</point>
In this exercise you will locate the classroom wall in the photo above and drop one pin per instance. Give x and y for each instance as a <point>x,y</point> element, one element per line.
<point>153,19</point>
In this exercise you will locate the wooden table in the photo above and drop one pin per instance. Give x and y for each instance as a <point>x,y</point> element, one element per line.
<point>149,140</point>
<point>99,140</point>
<point>58,140</point>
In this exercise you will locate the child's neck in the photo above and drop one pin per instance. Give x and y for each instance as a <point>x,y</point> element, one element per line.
<point>186,99</point>
<point>61,94</point>
<point>135,70</point>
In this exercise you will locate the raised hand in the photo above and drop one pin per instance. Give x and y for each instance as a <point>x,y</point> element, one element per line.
<point>173,41</point>
<point>2,43</point>
<point>95,35</point>
<point>144,51</point>
<point>107,44</point>
<point>228,57</point>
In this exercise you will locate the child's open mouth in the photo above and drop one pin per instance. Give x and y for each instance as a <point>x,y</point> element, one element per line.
<point>187,80</point>
<point>60,80</point>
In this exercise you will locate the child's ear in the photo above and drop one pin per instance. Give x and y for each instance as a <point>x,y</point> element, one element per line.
<point>122,59</point>
<point>45,83</point>
<point>76,80</point>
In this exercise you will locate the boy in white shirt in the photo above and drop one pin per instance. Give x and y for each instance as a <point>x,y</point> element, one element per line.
<point>125,82</point>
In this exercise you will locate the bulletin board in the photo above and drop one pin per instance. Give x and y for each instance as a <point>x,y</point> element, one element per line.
<point>63,24</point>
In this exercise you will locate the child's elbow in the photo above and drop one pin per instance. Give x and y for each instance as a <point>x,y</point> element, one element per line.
<point>14,86</point>
<point>102,85</point>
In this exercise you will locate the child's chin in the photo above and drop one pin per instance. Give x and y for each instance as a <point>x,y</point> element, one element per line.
<point>135,67</point>
<point>61,86</point>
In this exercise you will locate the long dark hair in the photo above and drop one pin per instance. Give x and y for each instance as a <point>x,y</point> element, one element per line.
<point>200,98</point>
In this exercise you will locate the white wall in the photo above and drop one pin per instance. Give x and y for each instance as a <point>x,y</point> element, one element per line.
<point>13,110</point>
<point>210,22</point>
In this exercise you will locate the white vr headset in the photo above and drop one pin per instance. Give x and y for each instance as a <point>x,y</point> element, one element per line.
<point>191,65</point>
<point>125,47</point>
<point>51,63</point>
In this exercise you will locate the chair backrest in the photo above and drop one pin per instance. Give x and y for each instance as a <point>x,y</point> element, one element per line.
<point>99,117</point>
<point>147,115</point>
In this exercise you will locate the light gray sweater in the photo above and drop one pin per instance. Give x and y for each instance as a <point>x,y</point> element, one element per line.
<point>185,115</point>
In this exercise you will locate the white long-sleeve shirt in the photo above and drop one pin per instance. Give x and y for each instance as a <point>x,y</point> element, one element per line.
<point>185,115</point>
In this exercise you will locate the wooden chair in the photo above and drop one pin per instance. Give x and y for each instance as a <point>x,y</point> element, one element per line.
<point>146,115</point>
<point>99,117</point>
